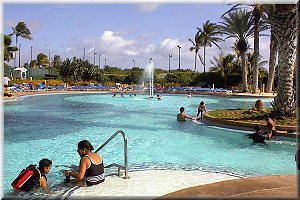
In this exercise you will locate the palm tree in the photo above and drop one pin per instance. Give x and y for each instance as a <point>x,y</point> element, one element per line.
<point>8,50</point>
<point>209,34</point>
<point>56,60</point>
<point>257,12</point>
<point>269,9</point>
<point>238,25</point>
<point>284,24</point>
<point>196,47</point>
<point>21,30</point>
<point>41,61</point>
<point>250,62</point>
<point>223,65</point>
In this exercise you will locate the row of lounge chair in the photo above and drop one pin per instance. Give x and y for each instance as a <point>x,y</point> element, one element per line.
<point>191,89</point>
<point>25,87</point>
<point>92,86</point>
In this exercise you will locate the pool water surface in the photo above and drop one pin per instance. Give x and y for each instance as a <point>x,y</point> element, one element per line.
<point>50,126</point>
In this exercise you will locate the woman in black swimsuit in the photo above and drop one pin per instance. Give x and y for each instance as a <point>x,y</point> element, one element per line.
<point>91,169</point>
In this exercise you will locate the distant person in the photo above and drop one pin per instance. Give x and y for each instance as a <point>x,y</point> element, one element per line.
<point>32,177</point>
<point>258,136</point>
<point>297,158</point>
<point>121,95</point>
<point>114,95</point>
<point>5,80</point>
<point>201,109</point>
<point>270,125</point>
<point>158,97</point>
<point>91,169</point>
<point>181,116</point>
<point>31,86</point>
<point>189,95</point>
<point>7,92</point>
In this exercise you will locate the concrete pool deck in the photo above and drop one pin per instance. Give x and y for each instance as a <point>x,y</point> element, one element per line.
<point>181,184</point>
<point>264,187</point>
<point>147,183</point>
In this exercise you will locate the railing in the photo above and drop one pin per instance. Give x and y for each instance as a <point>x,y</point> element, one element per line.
<point>125,154</point>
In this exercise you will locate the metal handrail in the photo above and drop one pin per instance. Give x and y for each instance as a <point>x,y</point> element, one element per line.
<point>125,149</point>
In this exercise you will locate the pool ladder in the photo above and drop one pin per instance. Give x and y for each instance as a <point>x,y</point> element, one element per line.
<point>120,167</point>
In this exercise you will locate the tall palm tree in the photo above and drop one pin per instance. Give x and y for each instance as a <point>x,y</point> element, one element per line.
<point>269,9</point>
<point>257,12</point>
<point>223,65</point>
<point>21,30</point>
<point>8,50</point>
<point>284,24</point>
<point>250,62</point>
<point>209,34</point>
<point>238,25</point>
<point>196,47</point>
<point>41,61</point>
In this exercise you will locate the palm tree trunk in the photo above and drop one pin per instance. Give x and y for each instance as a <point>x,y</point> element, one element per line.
<point>256,53</point>
<point>195,60</point>
<point>15,53</point>
<point>285,32</point>
<point>204,49</point>
<point>244,73</point>
<point>272,62</point>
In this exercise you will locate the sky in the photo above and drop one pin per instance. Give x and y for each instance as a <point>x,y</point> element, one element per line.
<point>119,33</point>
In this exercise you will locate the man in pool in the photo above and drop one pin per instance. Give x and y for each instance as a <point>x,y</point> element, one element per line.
<point>258,136</point>
<point>270,125</point>
<point>181,116</point>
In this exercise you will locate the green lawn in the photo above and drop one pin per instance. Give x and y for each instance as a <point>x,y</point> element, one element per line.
<point>252,117</point>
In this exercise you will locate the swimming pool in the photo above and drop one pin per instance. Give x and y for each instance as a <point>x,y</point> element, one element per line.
<point>50,126</point>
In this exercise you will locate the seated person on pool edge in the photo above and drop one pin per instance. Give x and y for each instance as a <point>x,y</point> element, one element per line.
<point>258,136</point>
<point>91,169</point>
<point>181,116</point>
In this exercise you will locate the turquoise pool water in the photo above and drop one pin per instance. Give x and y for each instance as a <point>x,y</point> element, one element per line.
<point>50,126</point>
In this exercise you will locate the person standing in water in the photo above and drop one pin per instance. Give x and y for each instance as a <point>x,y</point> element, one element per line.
<point>201,108</point>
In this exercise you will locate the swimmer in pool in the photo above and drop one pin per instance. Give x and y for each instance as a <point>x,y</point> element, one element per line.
<point>181,116</point>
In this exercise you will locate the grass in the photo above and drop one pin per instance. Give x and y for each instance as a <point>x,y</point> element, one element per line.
<point>251,117</point>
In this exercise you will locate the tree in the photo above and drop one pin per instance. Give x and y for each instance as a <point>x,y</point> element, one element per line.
<point>8,50</point>
<point>284,24</point>
<point>196,47</point>
<point>41,61</point>
<point>250,62</point>
<point>238,25</point>
<point>269,9</point>
<point>65,69</point>
<point>209,34</point>
<point>257,12</point>
<point>21,30</point>
<point>223,65</point>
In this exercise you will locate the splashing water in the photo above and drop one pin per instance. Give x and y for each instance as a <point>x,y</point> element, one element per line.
<point>148,76</point>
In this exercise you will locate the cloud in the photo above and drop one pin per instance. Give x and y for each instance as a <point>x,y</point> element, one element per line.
<point>34,25</point>
<point>147,8</point>
<point>90,50</point>
<point>116,43</point>
<point>11,23</point>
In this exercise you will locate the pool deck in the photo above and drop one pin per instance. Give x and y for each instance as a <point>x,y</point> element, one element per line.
<point>180,184</point>
<point>264,187</point>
